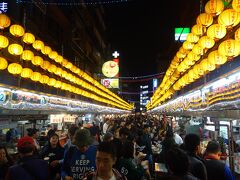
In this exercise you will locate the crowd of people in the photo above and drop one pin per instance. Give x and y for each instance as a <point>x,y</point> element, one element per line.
<point>116,149</point>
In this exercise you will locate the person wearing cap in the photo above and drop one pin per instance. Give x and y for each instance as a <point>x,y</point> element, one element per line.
<point>29,167</point>
<point>79,159</point>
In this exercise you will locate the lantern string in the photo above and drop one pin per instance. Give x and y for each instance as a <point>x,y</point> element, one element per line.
<point>89,2</point>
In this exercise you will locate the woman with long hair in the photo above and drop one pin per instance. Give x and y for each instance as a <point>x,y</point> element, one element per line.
<point>53,153</point>
<point>5,162</point>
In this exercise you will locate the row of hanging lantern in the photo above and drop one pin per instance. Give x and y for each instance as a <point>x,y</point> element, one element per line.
<point>28,55</point>
<point>17,69</point>
<point>189,63</point>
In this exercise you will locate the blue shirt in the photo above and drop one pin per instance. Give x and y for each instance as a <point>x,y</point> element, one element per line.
<point>76,164</point>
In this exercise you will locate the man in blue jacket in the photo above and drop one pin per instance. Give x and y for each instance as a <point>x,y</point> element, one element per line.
<point>79,159</point>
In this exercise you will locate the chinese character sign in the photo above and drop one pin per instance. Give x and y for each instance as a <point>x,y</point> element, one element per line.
<point>3,7</point>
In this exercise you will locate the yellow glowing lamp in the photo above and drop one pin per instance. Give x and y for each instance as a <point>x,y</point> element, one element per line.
<point>198,30</point>
<point>69,65</point>
<point>52,68</point>
<point>64,74</point>
<point>53,55</point>
<point>206,42</point>
<point>229,48</point>
<point>58,84</point>
<point>17,30</point>
<point>216,31</point>
<point>52,82</point>
<point>180,55</point>
<point>3,42</point>
<point>4,21</point>
<point>46,50</point>
<point>214,7</point>
<point>73,69</point>
<point>193,57</point>
<point>28,38</point>
<point>45,65</point>
<point>64,62</point>
<point>26,73</point>
<point>27,55</point>
<point>229,18</point>
<point>215,58</point>
<point>38,45</point>
<point>206,65</point>
<point>15,49</point>
<point>14,68</point>
<point>59,71</point>
<point>59,59</point>
<point>236,5</point>
<point>197,49</point>
<point>187,45</point>
<point>177,86</point>
<point>37,60</point>
<point>205,19</point>
<point>36,76</point>
<point>188,62</point>
<point>192,38</point>
<point>3,63</point>
<point>44,79</point>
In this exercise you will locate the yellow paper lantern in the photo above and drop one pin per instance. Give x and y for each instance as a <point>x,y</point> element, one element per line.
<point>46,50</point>
<point>28,38</point>
<point>229,48</point>
<point>15,49</point>
<point>216,31</point>
<point>198,30</point>
<point>205,19</point>
<point>52,68</point>
<point>192,56</point>
<point>187,45</point>
<point>236,5</point>
<point>69,65</point>
<point>59,59</point>
<point>17,30</point>
<point>180,55</point>
<point>237,34</point>
<point>197,49</point>
<point>58,84</point>
<point>27,55</point>
<point>215,58</point>
<point>206,42</point>
<point>192,38</point>
<point>52,82</point>
<point>64,62</point>
<point>188,62</point>
<point>26,73</point>
<point>37,60</point>
<point>207,66</point>
<point>229,18</point>
<point>45,65</point>
<point>14,68</point>
<point>73,69</point>
<point>64,74</point>
<point>36,76</point>
<point>59,71</point>
<point>3,63</point>
<point>44,79</point>
<point>4,21</point>
<point>38,45</point>
<point>3,42</point>
<point>53,55</point>
<point>214,7</point>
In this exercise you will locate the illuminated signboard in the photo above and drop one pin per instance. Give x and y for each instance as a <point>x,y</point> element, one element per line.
<point>110,83</point>
<point>110,69</point>
<point>181,34</point>
<point>3,7</point>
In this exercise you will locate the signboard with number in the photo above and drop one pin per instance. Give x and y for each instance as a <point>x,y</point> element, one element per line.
<point>3,97</point>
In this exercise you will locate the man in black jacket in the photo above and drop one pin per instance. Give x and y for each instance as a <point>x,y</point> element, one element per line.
<point>192,146</point>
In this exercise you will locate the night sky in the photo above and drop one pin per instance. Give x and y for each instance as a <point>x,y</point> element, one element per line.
<point>143,32</point>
